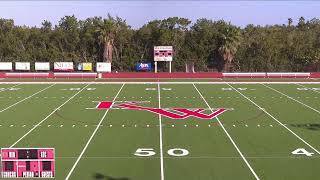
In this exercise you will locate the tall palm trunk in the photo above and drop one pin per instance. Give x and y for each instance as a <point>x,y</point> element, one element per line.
<point>107,51</point>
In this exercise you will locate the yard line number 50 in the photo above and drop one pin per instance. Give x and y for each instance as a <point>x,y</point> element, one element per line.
<point>147,152</point>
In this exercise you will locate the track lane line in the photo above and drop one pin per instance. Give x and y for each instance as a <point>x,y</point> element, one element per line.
<point>91,137</point>
<point>47,116</point>
<point>259,107</point>
<point>230,138</point>
<point>160,134</point>
<point>292,99</point>
<point>26,98</point>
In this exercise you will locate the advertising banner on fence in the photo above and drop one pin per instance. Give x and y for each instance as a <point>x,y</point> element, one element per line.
<point>163,53</point>
<point>6,66</point>
<point>22,66</point>
<point>103,67</point>
<point>42,66</point>
<point>63,66</point>
<point>143,67</point>
<point>85,66</point>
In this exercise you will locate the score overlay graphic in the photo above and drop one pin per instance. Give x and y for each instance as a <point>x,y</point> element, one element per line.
<point>27,162</point>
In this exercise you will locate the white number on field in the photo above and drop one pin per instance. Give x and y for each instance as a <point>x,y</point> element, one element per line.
<point>302,151</point>
<point>178,152</point>
<point>9,89</point>
<point>306,89</point>
<point>78,89</point>
<point>146,152</point>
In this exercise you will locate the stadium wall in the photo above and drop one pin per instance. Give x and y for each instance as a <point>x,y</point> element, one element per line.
<point>151,75</point>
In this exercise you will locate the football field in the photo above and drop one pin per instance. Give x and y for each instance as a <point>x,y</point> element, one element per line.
<point>168,130</point>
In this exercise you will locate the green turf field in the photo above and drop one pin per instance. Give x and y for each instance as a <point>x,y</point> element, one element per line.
<point>269,131</point>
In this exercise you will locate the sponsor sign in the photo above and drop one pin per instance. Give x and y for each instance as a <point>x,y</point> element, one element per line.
<point>63,66</point>
<point>85,66</point>
<point>27,163</point>
<point>103,67</point>
<point>7,66</point>
<point>163,53</point>
<point>143,67</point>
<point>42,66</point>
<point>22,66</point>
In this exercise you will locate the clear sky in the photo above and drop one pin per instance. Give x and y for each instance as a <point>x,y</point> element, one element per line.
<point>137,13</point>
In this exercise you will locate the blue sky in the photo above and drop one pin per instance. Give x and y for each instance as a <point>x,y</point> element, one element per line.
<point>137,13</point>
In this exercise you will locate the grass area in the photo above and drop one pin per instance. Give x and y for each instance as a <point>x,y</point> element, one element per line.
<point>253,139</point>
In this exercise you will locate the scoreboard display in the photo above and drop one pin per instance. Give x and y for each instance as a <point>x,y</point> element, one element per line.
<point>163,53</point>
<point>27,163</point>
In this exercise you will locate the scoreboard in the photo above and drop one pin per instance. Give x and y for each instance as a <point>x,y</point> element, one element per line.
<point>27,163</point>
<point>163,53</point>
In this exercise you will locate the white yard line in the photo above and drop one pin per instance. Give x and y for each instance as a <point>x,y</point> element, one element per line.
<point>307,87</point>
<point>178,82</point>
<point>292,99</point>
<point>9,87</point>
<point>47,117</point>
<point>230,138</point>
<point>26,98</point>
<point>160,130</point>
<point>259,107</point>
<point>91,137</point>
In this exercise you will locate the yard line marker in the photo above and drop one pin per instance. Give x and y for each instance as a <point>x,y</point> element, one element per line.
<point>160,131</point>
<point>274,119</point>
<point>26,98</point>
<point>230,138</point>
<point>47,117</point>
<point>91,137</point>
<point>310,88</point>
<point>293,99</point>
<point>9,87</point>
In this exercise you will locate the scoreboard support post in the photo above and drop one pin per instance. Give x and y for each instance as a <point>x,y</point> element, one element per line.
<point>155,66</point>
<point>169,66</point>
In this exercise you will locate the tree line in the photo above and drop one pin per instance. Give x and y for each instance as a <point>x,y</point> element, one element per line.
<point>209,45</point>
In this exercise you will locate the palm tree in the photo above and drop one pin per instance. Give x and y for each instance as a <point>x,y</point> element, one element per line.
<point>106,35</point>
<point>229,43</point>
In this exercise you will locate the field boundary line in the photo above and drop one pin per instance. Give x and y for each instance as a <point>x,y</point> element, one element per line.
<point>259,107</point>
<point>160,134</point>
<point>192,157</point>
<point>176,82</point>
<point>307,87</point>
<point>230,138</point>
<point>292,99</point>
<point>47,116</point>
<point>10,87</point>
<point>91,137</point>
<point>26,98</point>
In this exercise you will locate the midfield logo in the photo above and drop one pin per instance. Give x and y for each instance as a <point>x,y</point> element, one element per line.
<point>173,113</point>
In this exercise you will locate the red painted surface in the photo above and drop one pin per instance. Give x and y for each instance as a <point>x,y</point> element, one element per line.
<point>161,75</point>
<point>315,75</point>
<point>2,75</point>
